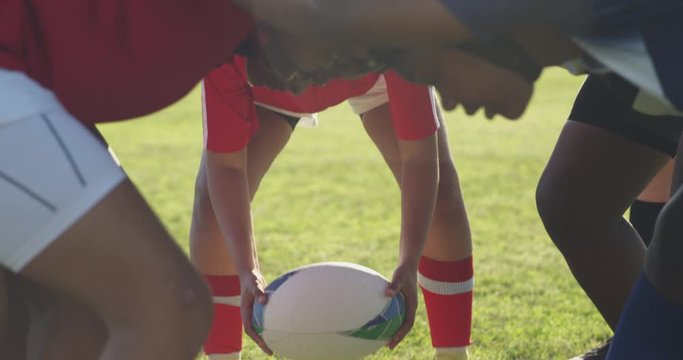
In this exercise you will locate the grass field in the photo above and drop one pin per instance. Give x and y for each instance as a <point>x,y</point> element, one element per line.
<point>330,197</point>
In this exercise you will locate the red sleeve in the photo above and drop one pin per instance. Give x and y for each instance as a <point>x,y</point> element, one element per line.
<point>229,116</point>
<point>12,53</point>
<point>413,108</point>
<point>115,59</point>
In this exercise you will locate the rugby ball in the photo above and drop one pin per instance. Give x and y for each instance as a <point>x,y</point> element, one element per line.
<point>331,311</point>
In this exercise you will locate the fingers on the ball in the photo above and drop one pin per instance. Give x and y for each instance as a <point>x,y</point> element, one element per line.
<point>249,330</point>
<point>262,344</point>
<point>393,288</point>
<point>258,340</point>
<point>260,296</point>
<point>402,332</point>
<point>398,337</point>
<point>407,324</point>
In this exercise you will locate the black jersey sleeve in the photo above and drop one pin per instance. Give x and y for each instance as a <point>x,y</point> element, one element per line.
<point>491,17</point>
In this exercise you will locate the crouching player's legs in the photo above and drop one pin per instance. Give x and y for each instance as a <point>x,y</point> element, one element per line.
<point>118,261</point>
<point>445,269</point>
<point>606,143</point>
<point>650,326</point>
<point>60,327</point>
<point>73,224</point>
<point>212,259</point>
<point>209,250</point>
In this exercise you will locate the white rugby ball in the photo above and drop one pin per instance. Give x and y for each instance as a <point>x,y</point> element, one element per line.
<point>330,311</point>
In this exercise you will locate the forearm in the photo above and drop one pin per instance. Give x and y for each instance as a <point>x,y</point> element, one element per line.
<point>229,191</point>
<point>419,182</point>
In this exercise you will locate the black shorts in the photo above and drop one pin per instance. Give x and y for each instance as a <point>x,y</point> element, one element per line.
<point>606,101</point>
<point>291,120</point>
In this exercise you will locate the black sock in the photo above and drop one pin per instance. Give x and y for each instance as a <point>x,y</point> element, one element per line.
<point>643,218</point>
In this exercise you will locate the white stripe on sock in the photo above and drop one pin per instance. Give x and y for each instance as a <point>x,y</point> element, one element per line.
<point>231,356</point>
<point>443,287</point>
<point>227,300</point>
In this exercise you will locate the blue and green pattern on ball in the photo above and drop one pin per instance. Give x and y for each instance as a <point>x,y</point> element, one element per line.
<point>385,325</point>
<point>259,309</point>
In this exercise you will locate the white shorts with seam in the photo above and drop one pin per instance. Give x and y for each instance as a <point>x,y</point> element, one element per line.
<point>52,171</point>
<point>307,120</point>
<point>375,97</point>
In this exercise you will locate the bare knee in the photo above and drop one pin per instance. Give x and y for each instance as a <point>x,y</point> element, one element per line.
<point>547,205</point>
<point>194,304</point>
<point>561,215</point>
<point>186,307</point>
<point>170,321</point>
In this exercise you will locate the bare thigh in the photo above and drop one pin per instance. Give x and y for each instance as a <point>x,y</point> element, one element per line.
<point>119,261</point>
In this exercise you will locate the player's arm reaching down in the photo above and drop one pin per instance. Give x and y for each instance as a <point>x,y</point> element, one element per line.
<point>418,183</point>
<point>405,133</point>
<point>230,122</point>
<point>229,190</point>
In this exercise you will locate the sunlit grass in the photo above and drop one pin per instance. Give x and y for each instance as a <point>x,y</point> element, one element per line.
<point>330,197</point>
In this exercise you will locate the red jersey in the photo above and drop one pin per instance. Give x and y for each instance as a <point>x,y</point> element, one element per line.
<point>229,105</point>
<point>115,59</point>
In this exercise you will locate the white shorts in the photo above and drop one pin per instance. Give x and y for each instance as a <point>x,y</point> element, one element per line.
<point>52,171</point>
<point>375,97</point>
<point>306,120</point>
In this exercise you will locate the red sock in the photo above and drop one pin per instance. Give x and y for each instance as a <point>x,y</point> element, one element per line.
<point>225,336</point>
<point>447,291</point>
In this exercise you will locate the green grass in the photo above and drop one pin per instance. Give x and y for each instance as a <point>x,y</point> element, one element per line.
<point>330,197</point>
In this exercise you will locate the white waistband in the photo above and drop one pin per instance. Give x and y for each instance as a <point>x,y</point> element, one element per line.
<point>21,97</point>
